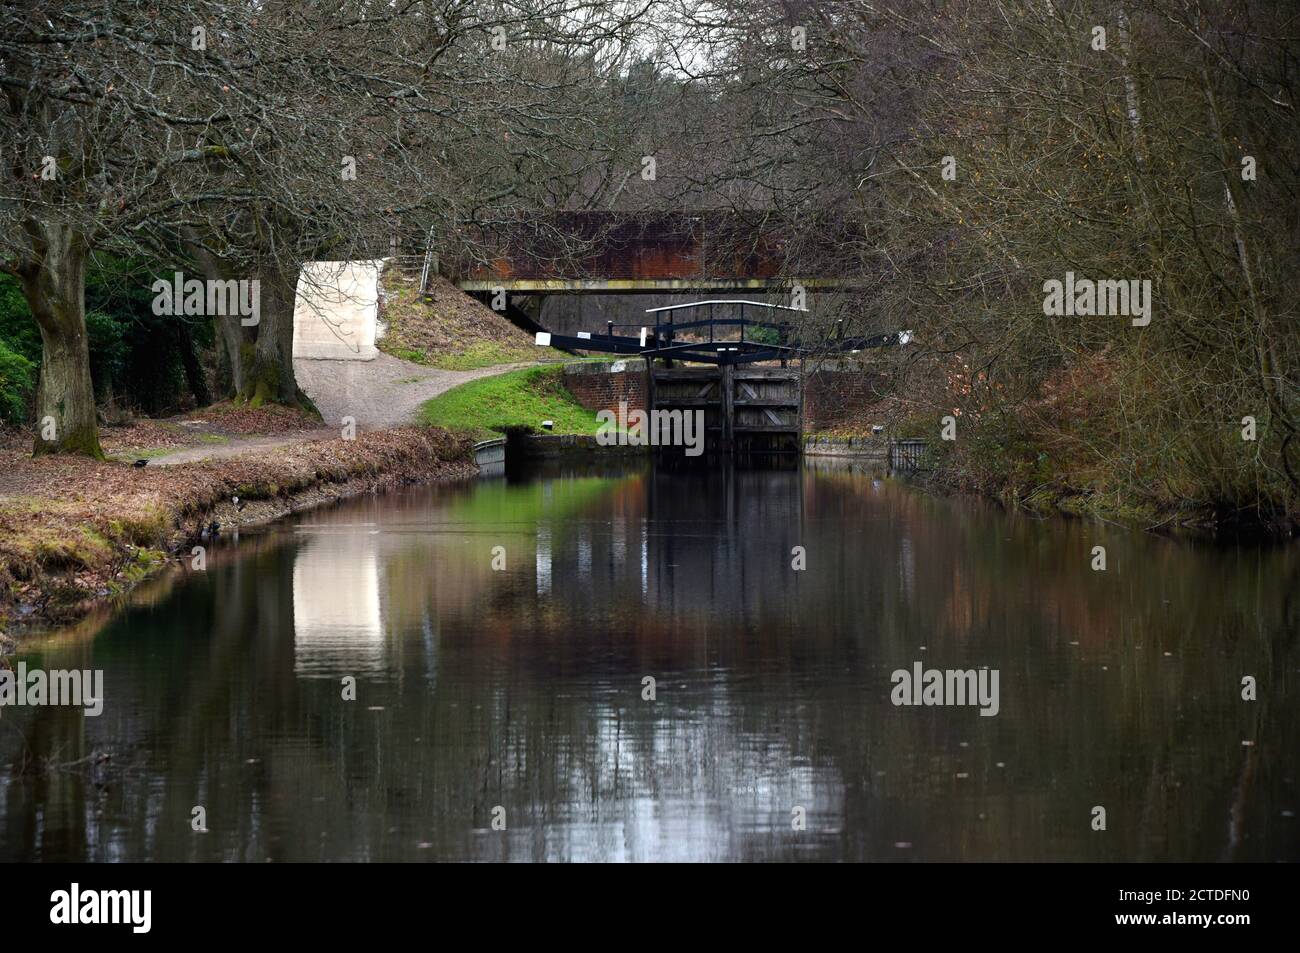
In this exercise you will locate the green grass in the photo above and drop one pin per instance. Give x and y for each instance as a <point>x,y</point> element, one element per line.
<point>132,454</point>
<point>483,354</point>
<point>519,399</point>
<point>476,355</point>
<point>414,355</point>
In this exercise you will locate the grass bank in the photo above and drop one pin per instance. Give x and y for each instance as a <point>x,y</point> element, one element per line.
<point>471,358</point>
<point>446,328</point>
<point>491,406</point>
<point>76,532</point>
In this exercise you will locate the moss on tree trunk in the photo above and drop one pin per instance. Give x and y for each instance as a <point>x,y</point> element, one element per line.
<point>55,288</point>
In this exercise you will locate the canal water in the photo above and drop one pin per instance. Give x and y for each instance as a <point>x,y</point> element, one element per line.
<point>501,637</point>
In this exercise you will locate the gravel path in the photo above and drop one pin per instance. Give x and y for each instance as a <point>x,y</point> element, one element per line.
<point>239,445</point>
<point>382,393</point>
<point>379,394</point>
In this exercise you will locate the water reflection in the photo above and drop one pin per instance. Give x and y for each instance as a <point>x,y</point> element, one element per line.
<point>337,628</point>
<point>523,687</point>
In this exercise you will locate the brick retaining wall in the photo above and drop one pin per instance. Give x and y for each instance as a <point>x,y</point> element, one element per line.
<point>602,385</point>
<point>835,398</point>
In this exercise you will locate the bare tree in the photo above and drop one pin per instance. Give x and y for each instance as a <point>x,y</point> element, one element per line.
<point>251,138</point>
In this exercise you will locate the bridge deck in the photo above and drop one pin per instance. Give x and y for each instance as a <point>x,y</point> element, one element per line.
<point>659,285</point>
<point>621,252</point>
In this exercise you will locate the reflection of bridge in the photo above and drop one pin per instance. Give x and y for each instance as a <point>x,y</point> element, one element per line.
<point>611,253</point>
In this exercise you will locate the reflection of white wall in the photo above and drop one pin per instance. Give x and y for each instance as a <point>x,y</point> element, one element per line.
<point>335,312</point>
<point>337,628</point>
<point>543,560</point>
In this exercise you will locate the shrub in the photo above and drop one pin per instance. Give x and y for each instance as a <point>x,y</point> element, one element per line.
<point>17,384</point>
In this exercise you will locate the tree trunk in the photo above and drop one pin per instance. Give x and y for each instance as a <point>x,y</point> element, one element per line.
<point>233,340</point>
<point>271,375</point>
<point>1132,106</point>
<point>257,361</point>
<point>194,378</point>
<point>1266,359</point>
<point>55,288</point>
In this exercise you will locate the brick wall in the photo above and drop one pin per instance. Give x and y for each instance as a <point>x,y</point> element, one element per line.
<point>601,386</point>
<point>835,398</point>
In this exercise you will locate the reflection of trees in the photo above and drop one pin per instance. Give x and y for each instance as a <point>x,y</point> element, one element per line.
<point>47,752</point>
<point>192,687</point>
<point>1110,719</point>
<point>772,686</point>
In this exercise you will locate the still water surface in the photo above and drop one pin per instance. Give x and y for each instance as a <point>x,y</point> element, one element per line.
<point>522,688</point>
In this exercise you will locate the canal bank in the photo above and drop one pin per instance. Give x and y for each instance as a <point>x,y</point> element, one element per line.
<point>76,533</point>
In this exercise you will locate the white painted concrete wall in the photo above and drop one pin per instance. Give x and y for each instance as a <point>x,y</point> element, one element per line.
<point>335,314</point>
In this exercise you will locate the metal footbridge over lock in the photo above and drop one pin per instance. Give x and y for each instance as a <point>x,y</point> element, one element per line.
<point>746,407</point>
